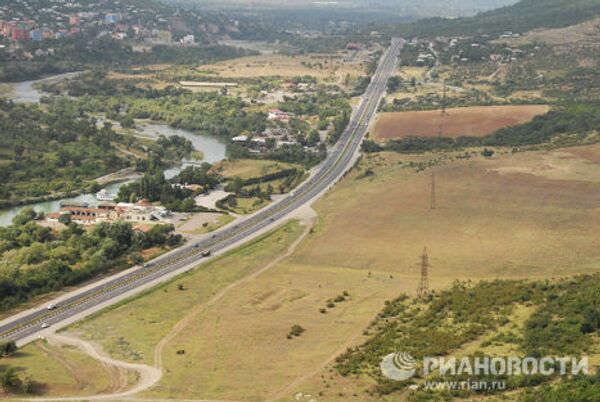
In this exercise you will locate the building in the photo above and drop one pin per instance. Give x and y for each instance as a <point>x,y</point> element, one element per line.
<point>279,115</point>
<point>36,35</point>
<point>20,33</point>
<point>47,33</point>
<point>63,33</point>
<point>112,18</point>
<point>188,40</point>
<point>73,20</point>
<point>240,138</point>
<point>141,212</point>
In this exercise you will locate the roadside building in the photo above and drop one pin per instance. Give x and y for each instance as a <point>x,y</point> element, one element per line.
<point>142,211</point>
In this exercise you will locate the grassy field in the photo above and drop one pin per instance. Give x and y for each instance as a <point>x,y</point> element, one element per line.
<point>527,215</point>
<point>145,320</point>
<point>204,223</point>
<point>62,370</point>
<point>249,168</point>
<point>468,121</point>
<point>489,222</point>
<point>325,66</point>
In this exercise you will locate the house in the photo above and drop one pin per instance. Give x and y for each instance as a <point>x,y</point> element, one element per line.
<point>240,138</point>
<point>279,115</point>
<point>188,40</point>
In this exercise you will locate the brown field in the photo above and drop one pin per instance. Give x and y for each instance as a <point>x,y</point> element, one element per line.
<point>468,121</point>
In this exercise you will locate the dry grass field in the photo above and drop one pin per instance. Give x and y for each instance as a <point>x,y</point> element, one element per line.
<point>529,215</point>
<point>249,168</point>
<point>143,321</point>
<point>525,215</point>
<point>468,121</point>
<point>585,33</point>
<point>323,66</point>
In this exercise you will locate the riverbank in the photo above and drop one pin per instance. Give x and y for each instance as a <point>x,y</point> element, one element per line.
<point>121,176</point>
<point>206,149</point>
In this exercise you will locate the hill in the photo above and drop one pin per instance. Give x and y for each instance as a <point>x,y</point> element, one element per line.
<point>521,17</point>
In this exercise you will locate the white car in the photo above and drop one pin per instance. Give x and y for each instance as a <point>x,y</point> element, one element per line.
<point>45,325</point>
<point>50,307</point>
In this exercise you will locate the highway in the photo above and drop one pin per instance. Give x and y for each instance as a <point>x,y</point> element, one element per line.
<point>338,161</point>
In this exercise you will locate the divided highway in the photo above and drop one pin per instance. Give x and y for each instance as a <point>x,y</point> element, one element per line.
<point>331,170</point>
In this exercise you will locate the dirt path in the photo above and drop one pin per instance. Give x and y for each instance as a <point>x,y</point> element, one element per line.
<point>158,351</point>
<point>148,375</point>
<point>72,370</point>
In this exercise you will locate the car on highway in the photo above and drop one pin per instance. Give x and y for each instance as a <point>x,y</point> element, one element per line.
<point>45,325</point>
<point>50,306</point>
<point>205,253</point>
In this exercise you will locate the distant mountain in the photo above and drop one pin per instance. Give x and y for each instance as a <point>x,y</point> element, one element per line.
<point>405,8</point>
<point>520,17</point>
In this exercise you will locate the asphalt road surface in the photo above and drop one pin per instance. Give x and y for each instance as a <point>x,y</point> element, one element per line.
<point>337,163</point>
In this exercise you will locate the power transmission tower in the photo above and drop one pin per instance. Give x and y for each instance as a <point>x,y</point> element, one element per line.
<point>423,289</point>
<point>432,201</point>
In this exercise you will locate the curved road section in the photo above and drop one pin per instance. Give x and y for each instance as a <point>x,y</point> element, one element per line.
<point>26,326</point>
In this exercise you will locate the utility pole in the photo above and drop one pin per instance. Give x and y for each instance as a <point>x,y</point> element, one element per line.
<point>443,97</point>
<point>432,204</point>
<point>423,289</point>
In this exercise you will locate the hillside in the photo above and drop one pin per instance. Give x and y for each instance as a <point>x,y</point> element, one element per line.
<point>521,17</point>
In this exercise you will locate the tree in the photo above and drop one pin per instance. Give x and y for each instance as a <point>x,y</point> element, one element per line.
<point>7,348</point>
<point>488,153</point>
<point>393,83</point>
<point>24,216</point>
<point>235,186</point>
<point>9,380</point>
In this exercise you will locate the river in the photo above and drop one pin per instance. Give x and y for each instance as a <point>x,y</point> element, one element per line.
<point>213,149</point>
<point>25,92</point>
